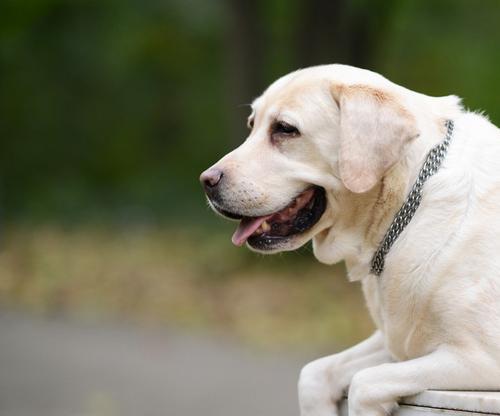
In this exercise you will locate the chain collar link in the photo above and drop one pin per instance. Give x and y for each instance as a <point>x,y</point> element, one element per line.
<point>431,165</point>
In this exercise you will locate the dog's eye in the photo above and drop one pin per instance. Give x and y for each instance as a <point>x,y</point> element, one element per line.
<point>285,129</point>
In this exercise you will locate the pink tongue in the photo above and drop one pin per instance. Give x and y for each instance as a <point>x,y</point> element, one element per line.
<point>246,228</point>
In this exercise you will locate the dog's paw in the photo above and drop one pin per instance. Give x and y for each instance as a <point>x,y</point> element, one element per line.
<point>318,395</point>
<point>364,397</point>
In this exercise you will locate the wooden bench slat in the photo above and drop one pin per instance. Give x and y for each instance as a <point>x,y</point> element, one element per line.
<point>443,402</point>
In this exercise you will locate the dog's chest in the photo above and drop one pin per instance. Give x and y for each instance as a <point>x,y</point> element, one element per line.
<point>402,318</point>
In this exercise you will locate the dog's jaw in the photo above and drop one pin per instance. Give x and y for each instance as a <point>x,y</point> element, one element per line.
<point>353,236</point>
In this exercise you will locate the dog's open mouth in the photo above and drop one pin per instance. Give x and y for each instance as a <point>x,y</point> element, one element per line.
<point>297,217</point>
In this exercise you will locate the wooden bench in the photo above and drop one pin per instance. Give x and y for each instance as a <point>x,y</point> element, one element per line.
<point>450,403</point>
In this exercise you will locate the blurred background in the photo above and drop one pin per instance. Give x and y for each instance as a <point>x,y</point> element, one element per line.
<point>120,292</point>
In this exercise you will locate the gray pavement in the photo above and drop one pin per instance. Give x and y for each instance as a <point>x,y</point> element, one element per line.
<point>56,367</point>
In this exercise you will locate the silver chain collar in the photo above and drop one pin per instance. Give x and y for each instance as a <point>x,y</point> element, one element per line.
<point>431,165</point>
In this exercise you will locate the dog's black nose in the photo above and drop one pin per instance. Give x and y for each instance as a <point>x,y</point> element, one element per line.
<point>211,178</point>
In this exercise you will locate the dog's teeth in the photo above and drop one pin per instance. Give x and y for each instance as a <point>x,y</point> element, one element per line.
<point>265,226</point>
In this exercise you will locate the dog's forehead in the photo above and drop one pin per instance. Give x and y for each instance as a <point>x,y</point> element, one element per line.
<point>286,94</point>
<point>292,89</point>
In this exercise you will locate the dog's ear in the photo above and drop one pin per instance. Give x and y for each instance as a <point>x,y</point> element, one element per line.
<point>374,130</point>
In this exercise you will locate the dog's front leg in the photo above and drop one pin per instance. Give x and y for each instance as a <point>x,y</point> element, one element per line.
<point>322,382</point>
<point>374,391</point>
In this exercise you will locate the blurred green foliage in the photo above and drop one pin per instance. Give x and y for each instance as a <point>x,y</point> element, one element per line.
<point>109,109</point>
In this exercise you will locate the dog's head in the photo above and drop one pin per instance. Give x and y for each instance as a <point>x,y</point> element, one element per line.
<point>319,138</point>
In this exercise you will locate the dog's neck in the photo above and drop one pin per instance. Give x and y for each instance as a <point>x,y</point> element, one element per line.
<point>357,235</point>
<point>381,206</point>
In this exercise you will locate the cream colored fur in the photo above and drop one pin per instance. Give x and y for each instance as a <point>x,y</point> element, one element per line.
<point>437,304</point>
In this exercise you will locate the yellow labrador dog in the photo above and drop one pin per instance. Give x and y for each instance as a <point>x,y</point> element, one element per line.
<point>406,189</point>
